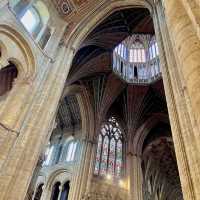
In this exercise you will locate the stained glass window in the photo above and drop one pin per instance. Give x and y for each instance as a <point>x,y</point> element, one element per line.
<point>109,157</point>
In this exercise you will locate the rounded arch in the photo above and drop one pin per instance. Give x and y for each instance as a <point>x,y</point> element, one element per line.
<point>23,56</point>
<point>43,11</point>
<point>55,177</point>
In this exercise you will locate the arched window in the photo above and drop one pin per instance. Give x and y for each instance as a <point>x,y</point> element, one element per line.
<point>35,17</point>
<point>55,191</point>
<point>109,157</point>
<point>7,76</point>
<point>48,155</point>
<point>31,20</point>
<point>153,49</point>
<point>71,151</point>
<point>121,50</point>
<point>65,191</point>
<point>39,191</point>
<point>137,53</point>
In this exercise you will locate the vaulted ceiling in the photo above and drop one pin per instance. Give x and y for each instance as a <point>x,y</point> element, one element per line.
<point>68,115</point>
<point>109,94</point>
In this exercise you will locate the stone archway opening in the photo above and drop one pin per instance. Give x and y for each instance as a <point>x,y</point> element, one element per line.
<point>7,76</point>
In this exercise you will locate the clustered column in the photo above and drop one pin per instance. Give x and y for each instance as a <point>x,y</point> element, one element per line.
<point>180,76</point>
<point>134,177</point>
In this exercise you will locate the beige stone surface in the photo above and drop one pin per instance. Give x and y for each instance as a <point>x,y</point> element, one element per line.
<point>27,112</point>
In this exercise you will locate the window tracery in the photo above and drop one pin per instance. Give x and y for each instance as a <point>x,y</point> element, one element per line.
<point>136,59</point>
<point>109,157</point>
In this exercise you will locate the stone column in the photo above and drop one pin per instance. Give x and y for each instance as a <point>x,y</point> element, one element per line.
<point>134,177</point>
<point>11,115</point>
<point>130,175</point>
<point>178,89</point>
<point>82,171</point>
<point>18,168</point>
<point>60,191</point>
<point>186,47</point>
<point>137,178</point>
<point>192,8</point>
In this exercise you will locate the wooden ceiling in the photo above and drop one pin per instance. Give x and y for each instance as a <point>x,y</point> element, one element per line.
<point>110,95</point>
<point>91,68</point>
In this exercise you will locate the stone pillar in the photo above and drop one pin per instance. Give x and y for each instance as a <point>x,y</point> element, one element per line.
<point>83,170</point>
<point>179,82</point>
<point>60,191</point>
<point>11,115</point>
<point>192,8</point>
<point>186,47</point>
<point>137,178</point>
<point>130,175</point>
<point>18,168</point>
<point>134,177</point>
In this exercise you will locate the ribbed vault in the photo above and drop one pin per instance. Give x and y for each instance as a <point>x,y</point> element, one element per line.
<point>131,104</point>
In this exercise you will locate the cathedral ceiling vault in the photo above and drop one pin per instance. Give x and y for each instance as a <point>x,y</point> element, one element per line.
<point>110,95</point>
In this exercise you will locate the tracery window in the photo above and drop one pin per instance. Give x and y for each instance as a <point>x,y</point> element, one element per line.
<point>137,53</point>
<point>109,157</point>
<point>153,50</point>
<point>136,59</point>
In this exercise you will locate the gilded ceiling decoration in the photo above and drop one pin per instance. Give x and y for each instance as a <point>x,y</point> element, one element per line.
<point>65,7</point>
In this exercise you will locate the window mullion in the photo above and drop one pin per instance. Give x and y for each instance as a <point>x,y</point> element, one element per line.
<point>100,159</point>
<point>116,154</point>
<point>108,156</point>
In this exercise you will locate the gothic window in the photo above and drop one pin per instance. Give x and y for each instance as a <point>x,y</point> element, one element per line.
<point>109,157</point>
<point>153,50</point>
<point>137,53</point>
<point>71,151</point>
<point>121,50</point>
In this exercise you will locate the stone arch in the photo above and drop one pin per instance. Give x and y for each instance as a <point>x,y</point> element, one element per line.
<point>81,31</point>
<point>85,107</point>
<point>54,177</point>
<point>101,12</point>
<point>143,131</point>
<point>22,57</point>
